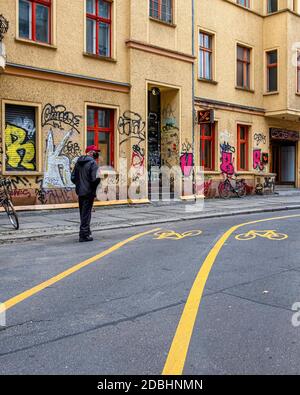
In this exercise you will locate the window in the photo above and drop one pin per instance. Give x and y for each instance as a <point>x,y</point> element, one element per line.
<point>205,56</point>
<point>245,3</point>
<point>272,71</point>
<point>98,27</point>
<point>35,20</point>
<point>162,10</point>
<point>207,146</point>
<point>272,6</point>
<point>243,67</point>
<point>242,143</point>
<point>20,138</point>
<point>100,132</point>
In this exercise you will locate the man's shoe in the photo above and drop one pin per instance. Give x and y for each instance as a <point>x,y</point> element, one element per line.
<point>85,239</point>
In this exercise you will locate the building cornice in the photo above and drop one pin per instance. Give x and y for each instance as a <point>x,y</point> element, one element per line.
<point>25,71</point>
<point>145,47</point>
<point>250,10</point>
<point>215,104</point>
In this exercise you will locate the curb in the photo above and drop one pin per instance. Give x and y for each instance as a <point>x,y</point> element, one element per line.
<point>12,237</point>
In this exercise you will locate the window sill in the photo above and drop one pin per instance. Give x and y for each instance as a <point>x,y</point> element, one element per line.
<point>213,82</point>
<point>239,88</point>
<point>246,172</point>
<point>271,93</point>
<point>36,43</point>
<point>212,172</point>
<point>22,173</point>
<point>162,22</point>
<point>98,57</point>
<point>297,93</point>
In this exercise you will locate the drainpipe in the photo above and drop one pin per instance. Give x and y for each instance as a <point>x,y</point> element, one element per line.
<point>193,82</point>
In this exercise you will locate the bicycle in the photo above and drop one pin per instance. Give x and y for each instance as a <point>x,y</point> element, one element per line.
<point>6,203</point>
<point>266,234</point>
<point>226,188</point>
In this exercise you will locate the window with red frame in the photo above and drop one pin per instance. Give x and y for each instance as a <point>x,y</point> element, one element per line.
<point>100,132</point>
<point>242,144</point>
<point>205,54</point>
<point>35,20</point>
<point>272,71</point>
<point>207,146</point>
<point>162,10</point>
<point>243,67</point>
<point>98,27</point>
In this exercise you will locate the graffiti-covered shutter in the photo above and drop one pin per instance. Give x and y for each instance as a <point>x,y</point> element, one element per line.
<point>20,138</point>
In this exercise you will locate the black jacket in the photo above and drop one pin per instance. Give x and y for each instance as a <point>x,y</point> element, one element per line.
<point>84,176</point>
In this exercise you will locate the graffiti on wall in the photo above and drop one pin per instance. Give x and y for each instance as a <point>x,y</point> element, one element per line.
<point>61,152</point>
<point>137,163</point>
<point>168,115</point>
<point>170,145</point>
<point>131,126</point>
<point>170,148</point>
<point>59,117</point>
<point>225,135</point>
<point>227,159</point>
<point>20,147</point>
<point>57,165</point>
<point>260,138</point>
<point>260,159</point>
<point>187,159</point>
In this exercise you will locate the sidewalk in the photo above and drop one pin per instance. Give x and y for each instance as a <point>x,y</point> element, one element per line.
<point>45,224</point>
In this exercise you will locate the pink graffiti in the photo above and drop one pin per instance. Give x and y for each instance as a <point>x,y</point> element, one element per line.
<point>227,163</point>
<point>257,160</point>
<point>186,164</point>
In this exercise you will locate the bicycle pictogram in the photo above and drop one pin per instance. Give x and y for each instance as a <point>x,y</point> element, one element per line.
<point>265,234</point>
<point>172,235</point>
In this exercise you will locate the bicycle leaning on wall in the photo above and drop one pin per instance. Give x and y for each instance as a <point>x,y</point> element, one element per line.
<point>6,203</point>
<point>226,189</point>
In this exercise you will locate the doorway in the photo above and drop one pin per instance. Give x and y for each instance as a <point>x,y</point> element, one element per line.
<point>284,162</point>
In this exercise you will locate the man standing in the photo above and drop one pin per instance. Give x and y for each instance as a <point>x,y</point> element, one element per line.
<point>85,177</point>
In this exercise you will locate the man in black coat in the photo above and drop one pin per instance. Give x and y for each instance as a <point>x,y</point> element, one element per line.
<point>85,177</point>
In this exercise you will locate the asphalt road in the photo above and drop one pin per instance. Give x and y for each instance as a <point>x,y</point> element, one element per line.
<point>119,312</point>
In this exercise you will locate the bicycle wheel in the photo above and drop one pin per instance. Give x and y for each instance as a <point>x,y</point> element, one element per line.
<point>277,236</point>
<point>192,233</point>
<point>246,236</point>
<point>224,190</point>
<point>241,190</point>
<point>12,215</point>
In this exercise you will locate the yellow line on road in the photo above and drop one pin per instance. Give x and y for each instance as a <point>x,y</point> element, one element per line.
<point>27,294</point>
<point>180,345</point>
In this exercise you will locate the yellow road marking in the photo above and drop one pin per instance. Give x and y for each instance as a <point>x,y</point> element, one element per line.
<point>172,235</point>
<point>178,352</point>
<point>38,288</point>
<point>265,234</point>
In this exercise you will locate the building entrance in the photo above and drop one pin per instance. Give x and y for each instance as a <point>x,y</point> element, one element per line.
<point>283,146</point>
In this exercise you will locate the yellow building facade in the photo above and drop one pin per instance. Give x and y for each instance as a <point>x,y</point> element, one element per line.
<point>252,89</point>
<point>92,72</point>
<point>153,83</point>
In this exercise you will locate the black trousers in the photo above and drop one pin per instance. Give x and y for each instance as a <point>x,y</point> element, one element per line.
<point>85,208</point>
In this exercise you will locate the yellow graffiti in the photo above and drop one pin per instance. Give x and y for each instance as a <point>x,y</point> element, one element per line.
<point>266,234</point>
<point>172,235</point>
<point>18,152</point>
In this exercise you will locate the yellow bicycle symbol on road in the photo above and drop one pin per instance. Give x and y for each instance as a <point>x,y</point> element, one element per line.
<point>172,235</point>
<point>265,234</point>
